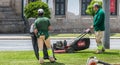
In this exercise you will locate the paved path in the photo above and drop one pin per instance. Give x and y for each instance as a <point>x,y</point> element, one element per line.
<point>19,45</point>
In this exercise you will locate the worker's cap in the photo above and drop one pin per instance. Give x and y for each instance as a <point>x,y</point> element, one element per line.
<point>40,11</point>
<point>96,4</point>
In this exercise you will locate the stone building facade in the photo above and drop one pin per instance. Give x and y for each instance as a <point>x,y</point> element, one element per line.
<point>11,20</point>
<point>14,4</point>
<point>70,16</point>
<point>67,16</point>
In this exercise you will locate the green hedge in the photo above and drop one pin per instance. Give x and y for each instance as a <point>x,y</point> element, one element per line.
<point>31,10</point>
<point>90,10</point>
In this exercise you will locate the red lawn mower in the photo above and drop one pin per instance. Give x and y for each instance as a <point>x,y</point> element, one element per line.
<point>80,43</point>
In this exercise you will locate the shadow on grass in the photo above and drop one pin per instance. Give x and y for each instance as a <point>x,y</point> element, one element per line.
<point>92,52</point>
<point>113,53</point>
<point>77,52</point>
<point>106,52</point>
<point>55,63</point>
<point>85,52</point>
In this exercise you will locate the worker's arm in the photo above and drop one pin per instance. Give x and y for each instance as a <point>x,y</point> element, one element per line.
<point>49,26</point>
<point>35,28</point>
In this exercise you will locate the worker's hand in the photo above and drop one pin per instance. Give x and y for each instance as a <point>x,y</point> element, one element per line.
<point>87,30</point>
<point>50,28</point>
<point>91,27</point>
<point>35,31</point>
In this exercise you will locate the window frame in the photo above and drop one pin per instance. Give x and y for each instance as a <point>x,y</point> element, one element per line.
<point>60,7</point>
<point>86,4</point>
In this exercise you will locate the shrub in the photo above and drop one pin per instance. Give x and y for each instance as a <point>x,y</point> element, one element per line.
<point>90,10</point>
<point>31,10</point>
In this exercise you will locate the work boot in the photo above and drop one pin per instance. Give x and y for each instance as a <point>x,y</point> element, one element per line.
<point>103,49</point>
<point>52,60</point>
<point>41,60</point>
<point>99,52</point>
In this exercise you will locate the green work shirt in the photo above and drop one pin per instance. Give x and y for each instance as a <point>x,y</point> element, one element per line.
<point>99,19</point>
<point>42,24</point>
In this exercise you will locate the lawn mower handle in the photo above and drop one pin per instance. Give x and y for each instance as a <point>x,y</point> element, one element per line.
<point>84,33</point>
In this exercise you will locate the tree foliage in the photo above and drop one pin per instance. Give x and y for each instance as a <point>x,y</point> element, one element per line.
<point>90,10</point>
<point>31,10</point>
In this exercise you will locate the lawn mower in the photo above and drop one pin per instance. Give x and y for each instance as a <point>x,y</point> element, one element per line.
<point>80,43</point>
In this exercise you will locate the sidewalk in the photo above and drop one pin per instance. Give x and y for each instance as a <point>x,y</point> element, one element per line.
<point>28,37</point>
<point>15,37</point>
<point>23,42</point>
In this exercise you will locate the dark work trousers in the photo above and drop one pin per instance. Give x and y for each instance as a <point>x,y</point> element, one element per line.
<point>35,45</point>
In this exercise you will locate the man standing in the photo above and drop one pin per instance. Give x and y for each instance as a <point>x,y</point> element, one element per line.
<point>42,26</point>
<point>34,39</point>
<point>98,25</point>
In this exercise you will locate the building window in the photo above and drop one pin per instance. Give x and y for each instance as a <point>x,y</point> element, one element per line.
<point>113,7</point>
<point>84,3</point>
<point>31,0</point>
<point>59,7</point>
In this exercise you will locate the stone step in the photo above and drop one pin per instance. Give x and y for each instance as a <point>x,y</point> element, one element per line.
<point>5,9</point>
<point>10,22</point>
<point>9,13</point>
<point>10,17</point>
<point>4,6</point>
<point>4,2</point>
<point>12,28</point>
<point>2,9</point>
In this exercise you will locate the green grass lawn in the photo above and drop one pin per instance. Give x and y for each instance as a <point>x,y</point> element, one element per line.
<point>75,35</point>
<point>78,58</point>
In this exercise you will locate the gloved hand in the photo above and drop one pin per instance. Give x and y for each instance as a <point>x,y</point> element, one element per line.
<point>88,30</point>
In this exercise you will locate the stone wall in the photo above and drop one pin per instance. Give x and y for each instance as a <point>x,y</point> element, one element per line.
<point>114,23</point>
<point>67,25</point>
<point>77,23</point>
<point>5,2</point>
<point>17,6</point>
<point>10,17</point>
